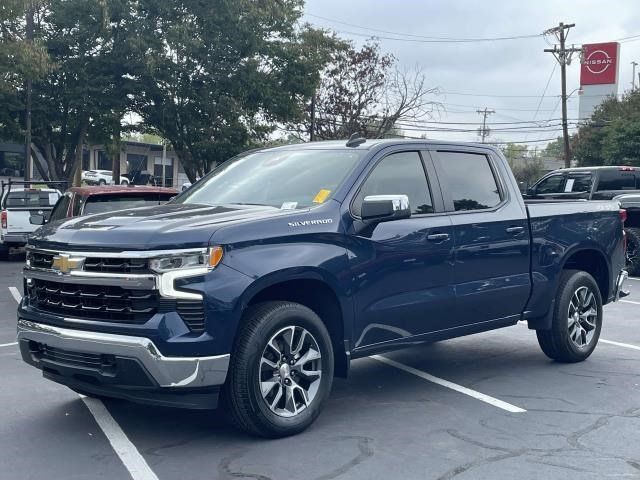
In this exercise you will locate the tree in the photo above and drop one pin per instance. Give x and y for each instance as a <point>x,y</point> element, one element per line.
<point>612,135</point>
<point>19,60</point>
<point>363,91</point>
<point>219,75</point>
<point>87,93</point>
<point>514,151</point>
<point>554,149</point>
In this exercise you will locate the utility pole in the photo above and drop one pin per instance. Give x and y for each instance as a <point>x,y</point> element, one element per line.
<point>484,131</point>
<point>633,77</point>
<point>29,94</point>
<point>563,56</point>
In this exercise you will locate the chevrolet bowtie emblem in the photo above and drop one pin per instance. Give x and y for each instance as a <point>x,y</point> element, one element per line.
<point>65,263</point>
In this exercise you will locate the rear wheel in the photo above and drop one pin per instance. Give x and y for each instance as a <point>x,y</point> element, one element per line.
<point>577,319</point>
<point>281,370</point>
<point>102,182</point>
<point>633,251</point>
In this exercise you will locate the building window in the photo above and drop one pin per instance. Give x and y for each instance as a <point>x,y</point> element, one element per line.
<point>104,162</point>
<point>86,157</point>
<point>168,171</point>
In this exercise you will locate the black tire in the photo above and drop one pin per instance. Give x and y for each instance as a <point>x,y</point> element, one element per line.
<point>556,342</point>
<point>4,252</point>
<point>633,251</point>
<point>124,182</point>
<point>242,394</point>
<point>102,182</point>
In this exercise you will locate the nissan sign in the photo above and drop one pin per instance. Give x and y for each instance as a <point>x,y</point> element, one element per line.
<point>599,63</point>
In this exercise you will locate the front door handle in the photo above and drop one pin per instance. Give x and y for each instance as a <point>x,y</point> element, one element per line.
<point>438,237</point>
<point>515,230</point>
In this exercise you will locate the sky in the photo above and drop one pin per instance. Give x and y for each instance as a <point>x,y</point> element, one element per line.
<point>506,76</point>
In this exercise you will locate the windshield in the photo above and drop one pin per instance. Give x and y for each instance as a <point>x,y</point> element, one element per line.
<point>287,179</point>
<point>107,203</point>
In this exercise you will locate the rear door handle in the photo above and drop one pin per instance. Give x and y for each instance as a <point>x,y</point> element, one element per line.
<point>515,230</point>
<point>438,237</point>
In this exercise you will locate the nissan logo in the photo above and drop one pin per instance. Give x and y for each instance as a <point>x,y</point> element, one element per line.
<point>598,61</point>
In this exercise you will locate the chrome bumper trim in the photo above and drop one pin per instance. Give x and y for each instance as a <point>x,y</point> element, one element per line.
<point>167,371</point>
<point>620,283</point>
<point>132,281</point>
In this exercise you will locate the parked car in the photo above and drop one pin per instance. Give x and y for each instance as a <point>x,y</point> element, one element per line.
<point>102,177</point>
<point>266,279</point>
<point>599,183</point>
<point>89,200</point>
<point>18,203</point>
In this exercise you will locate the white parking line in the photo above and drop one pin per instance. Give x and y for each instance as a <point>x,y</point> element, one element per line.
<point>629,301</point>
<point>15,293</point>
<point>8,344</point>
<point>453,386</point>
<point>618,344</point>
<point>127,451</point>
<point>133,461</point>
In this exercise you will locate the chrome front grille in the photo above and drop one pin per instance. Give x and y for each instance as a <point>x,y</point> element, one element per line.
<point>116,265</point>
<point>44,260</point>
<point>93,302</point>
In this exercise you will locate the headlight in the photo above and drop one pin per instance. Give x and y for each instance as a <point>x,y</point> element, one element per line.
<point>182,261</point>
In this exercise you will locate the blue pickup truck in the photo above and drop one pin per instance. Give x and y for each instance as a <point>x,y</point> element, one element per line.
<point>266,278</point>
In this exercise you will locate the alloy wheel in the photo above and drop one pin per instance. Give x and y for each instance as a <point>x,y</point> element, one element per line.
<point>290,371</point>
<point>582,317</point>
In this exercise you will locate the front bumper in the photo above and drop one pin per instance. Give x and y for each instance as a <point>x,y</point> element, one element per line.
<point>117,365</point>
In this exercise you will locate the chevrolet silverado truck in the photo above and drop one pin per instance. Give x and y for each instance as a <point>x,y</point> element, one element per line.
<point>264,280</point>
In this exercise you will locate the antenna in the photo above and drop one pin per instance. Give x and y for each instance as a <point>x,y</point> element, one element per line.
<point>355,140</point>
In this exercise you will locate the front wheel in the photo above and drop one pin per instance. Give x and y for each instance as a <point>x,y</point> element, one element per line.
<point>281,370</point>
<point>577,319</point>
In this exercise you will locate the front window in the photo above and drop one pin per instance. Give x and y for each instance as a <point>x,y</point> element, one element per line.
<point>287,179</point>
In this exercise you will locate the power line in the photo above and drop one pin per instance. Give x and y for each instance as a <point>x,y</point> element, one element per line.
<point>422,38</point>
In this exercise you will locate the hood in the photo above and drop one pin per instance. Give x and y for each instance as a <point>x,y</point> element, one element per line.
<point>167,226</point>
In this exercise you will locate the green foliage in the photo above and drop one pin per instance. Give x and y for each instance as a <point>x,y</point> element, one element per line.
<point>219,75</point>
<point>514,150</point>
<point>527,171</point>
<point>554,149</point>
<point>612,136</point>
<point>19,59</point>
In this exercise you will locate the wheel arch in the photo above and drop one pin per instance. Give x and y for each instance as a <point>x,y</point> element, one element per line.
<point>315,289</point>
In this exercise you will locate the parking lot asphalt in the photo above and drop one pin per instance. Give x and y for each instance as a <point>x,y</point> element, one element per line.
<point>388,420</point>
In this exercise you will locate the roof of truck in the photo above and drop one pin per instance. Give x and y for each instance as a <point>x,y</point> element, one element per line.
<point>373,142</point>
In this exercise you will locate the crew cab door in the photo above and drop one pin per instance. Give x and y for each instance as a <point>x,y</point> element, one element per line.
<point>491,236</point>
<point>402,269</point>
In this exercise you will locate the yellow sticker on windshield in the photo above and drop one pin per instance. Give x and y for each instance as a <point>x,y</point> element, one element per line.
<point>321,196</point>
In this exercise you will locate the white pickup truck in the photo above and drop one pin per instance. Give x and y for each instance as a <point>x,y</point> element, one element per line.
<point>18,203</point>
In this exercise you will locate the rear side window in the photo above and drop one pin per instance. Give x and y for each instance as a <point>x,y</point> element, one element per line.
<point>552,184</point>
<point>28,199</point>
<point>616,180</point>
<point>578,182</point>
<point>110,203</point>
<point>469,180</point>
<point>398,174</point>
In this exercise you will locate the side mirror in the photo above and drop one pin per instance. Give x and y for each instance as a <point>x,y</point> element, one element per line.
<point>37,219</point>
<point>383,208</point>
